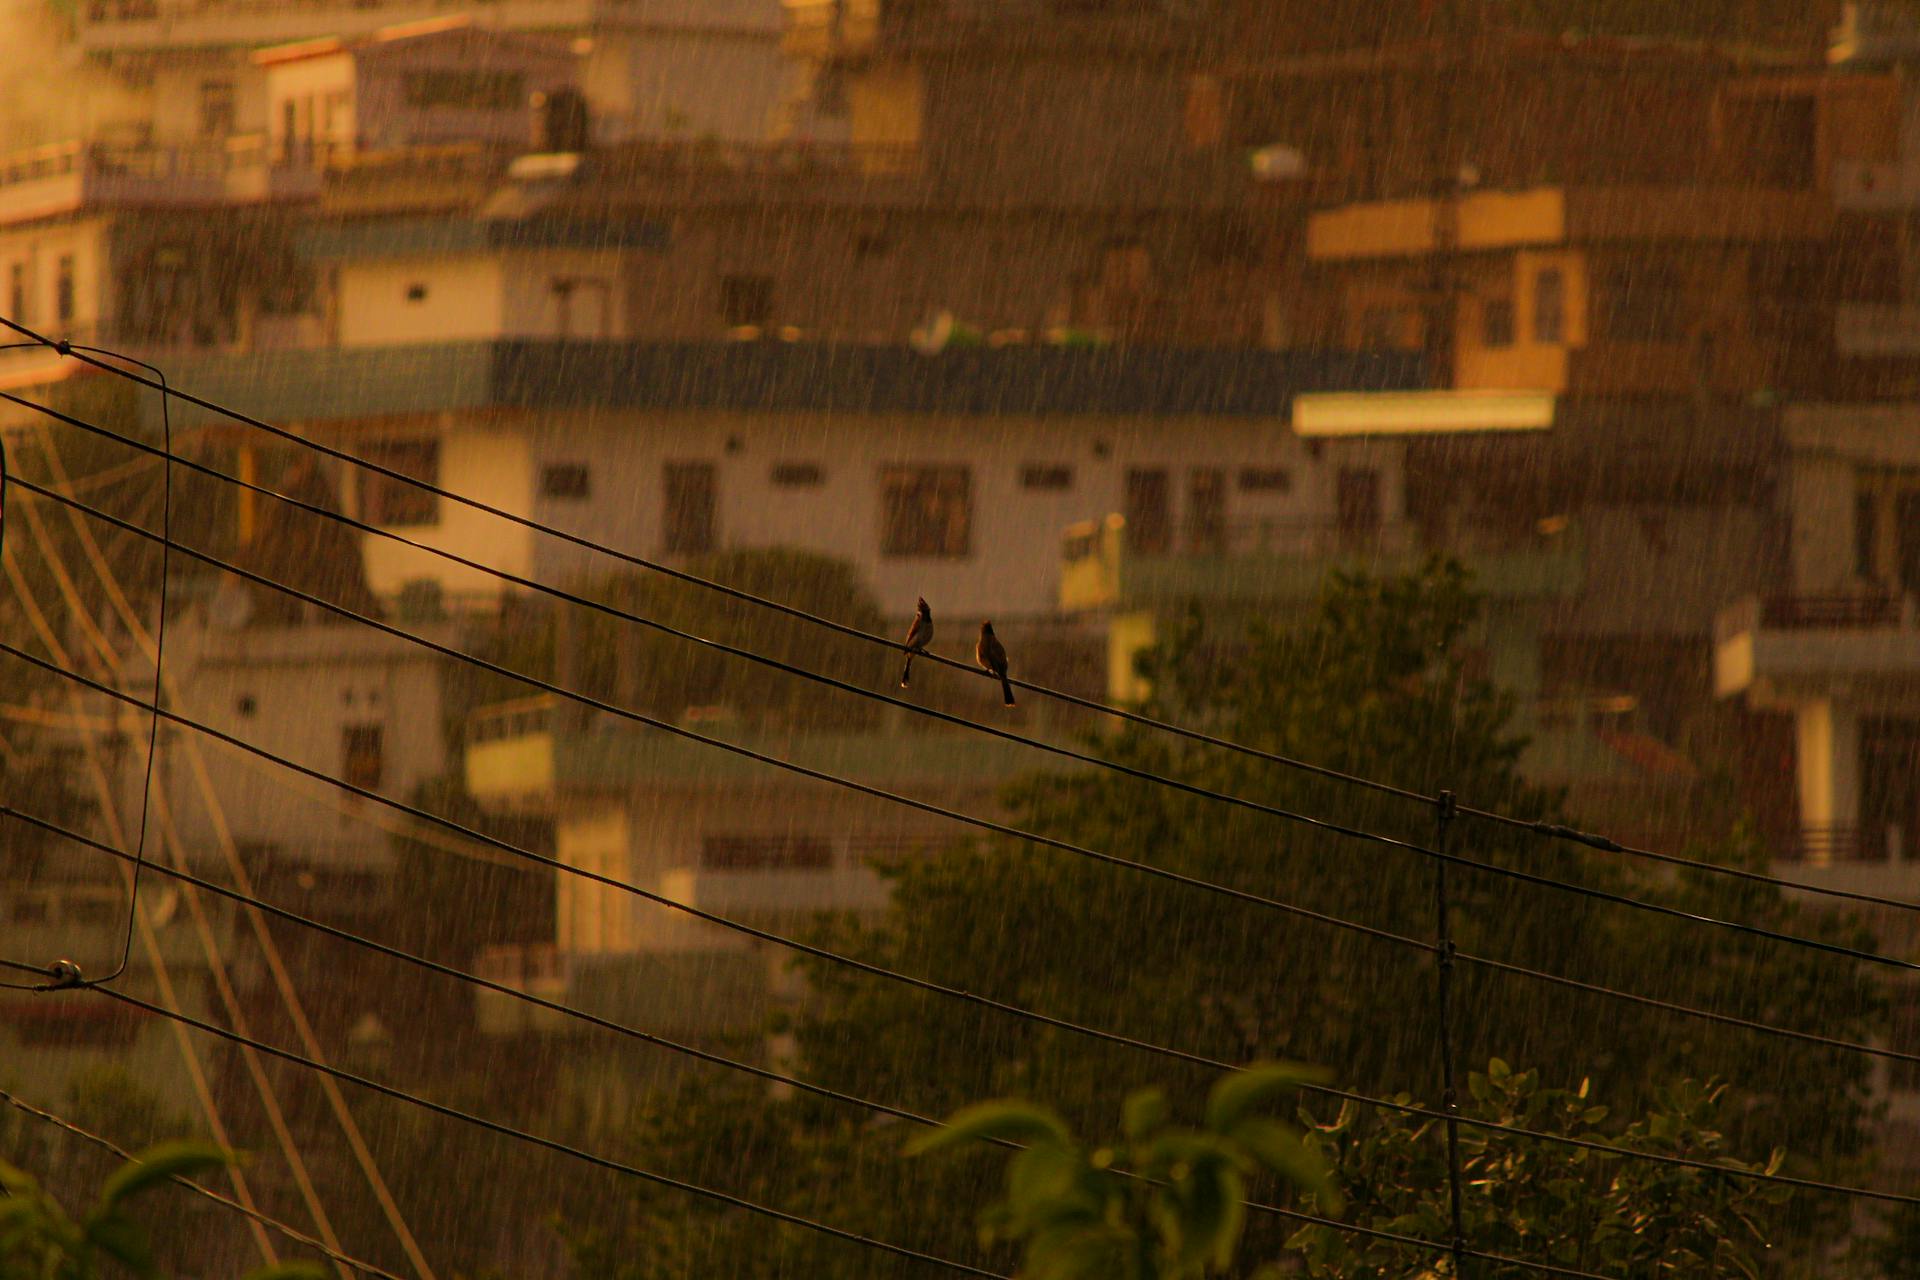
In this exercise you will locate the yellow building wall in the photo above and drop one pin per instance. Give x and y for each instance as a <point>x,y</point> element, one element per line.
<point>1528,364</point>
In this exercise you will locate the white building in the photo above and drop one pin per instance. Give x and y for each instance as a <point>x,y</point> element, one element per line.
<point>339,698</point>
<point>1838,648</point>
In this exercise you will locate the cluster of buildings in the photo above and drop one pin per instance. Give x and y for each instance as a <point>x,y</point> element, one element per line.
<point>1071,313</point>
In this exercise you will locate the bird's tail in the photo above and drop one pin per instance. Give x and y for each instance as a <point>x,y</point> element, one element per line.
<point>1006,690</point>
<point>906,671</point>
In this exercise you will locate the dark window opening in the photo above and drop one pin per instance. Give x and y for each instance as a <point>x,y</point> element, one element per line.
<point>1148,514</point>
<point>926,511</point>
<point>565,480</point>
<point>1265,480</point>
<point>690,502</point>
<point>362,755</point>
<point>246,704</point>
<point>766,853</point>
<point>1496,322</point>
<point>1207,511</point>
<point>464,90</point>
<point>1866,536</point>
<point>798,475</point>
<point>1549,307</point>
<point>746,301</point>
<point>216,108</point>
<point>63,289</point>
<point>417,292</point>
<point>1046,477</point>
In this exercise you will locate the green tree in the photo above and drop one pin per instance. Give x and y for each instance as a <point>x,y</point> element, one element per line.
<point>1374,682</point>
<point>1569,1206</point>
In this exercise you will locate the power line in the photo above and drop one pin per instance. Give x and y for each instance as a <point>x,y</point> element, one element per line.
<point>1551,830</point>
<point>986,824</point>
<point>1383,935</point>
<point>718,646</point>
<point>58,976</point>
<point>113,1148</point>
<point>1044,1019</point>
<point>562,1148</point>
<point>764,1073</point>
<point>541,1002</point>
<point>761,757</point>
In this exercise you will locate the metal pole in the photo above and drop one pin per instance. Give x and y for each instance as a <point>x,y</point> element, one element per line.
<point>1444,950</point>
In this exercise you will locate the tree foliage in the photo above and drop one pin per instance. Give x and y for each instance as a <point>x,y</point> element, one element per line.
<point>1375,681</point>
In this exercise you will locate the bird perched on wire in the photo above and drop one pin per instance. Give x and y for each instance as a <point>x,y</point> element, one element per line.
<point>919,636</point>
<point>992,656</point>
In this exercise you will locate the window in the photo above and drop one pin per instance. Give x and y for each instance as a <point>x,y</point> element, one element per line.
<point>1550,307</point>
<point>688,524</point>
<point>925,511</point>
<point>1046,477</point>
<point>746,300</point>
<point>460,89</point>
<point>565,480</point>
<point>246,705</point>
<point>1496,322</point>
<point>216,108</point>
<point>1265,480</point>
<point>1866,536</point>
<point>798,475</point>
<point>417,291</point>
<point>289,127</point>
<point>1207,510</point>
<point>1148,513</point>
<point>362,755</point>
<point>63,289</point>
<point>17,292</point>
<point>871,245</point>
<point>765,853</point>
<point>387,501</point>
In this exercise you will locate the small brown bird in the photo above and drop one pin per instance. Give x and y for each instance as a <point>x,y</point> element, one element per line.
<point>992,656</point>
<point>919,636</point>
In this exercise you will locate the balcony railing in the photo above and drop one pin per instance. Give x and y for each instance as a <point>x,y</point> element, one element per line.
<point>517,719</point>
<point>71,172</point>
<point>1878,843</point>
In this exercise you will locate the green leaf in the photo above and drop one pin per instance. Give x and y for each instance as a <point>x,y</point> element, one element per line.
<point>1007,1121</point>
<point>155,1165</point>
<point>1280,1149</point>
<point>1240,1093</point>
<point>1144,1112</point>
<point>123,1240</point>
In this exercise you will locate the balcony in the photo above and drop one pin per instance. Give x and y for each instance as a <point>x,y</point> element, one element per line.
<point>68,176</point>
<point>1287,559</point>
<point>777,891</point>
<point>509,757</point>
<point>1789,648</point>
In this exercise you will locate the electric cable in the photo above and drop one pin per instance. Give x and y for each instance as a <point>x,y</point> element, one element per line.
<point>986,824</point>
<point>272,1223</point>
